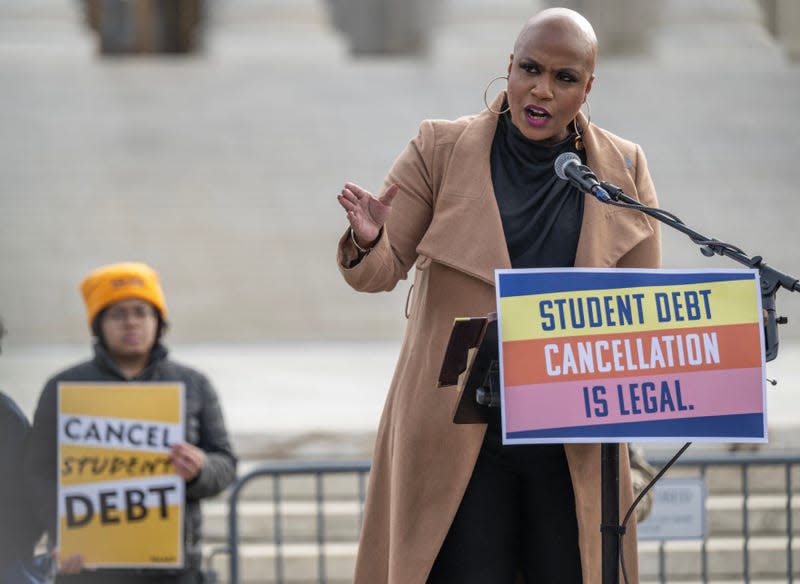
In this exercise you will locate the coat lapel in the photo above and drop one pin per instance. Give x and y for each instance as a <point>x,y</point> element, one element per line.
<point>466,232</point>
<point>608,232</point>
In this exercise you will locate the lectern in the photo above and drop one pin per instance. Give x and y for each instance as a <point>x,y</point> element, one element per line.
<point>472,352</point>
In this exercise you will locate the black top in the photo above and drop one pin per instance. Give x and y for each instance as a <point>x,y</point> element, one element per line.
<point>541,213</point>
<point>18,531</point>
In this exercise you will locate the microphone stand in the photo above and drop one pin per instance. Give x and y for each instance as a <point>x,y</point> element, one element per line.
<point>771,281</point>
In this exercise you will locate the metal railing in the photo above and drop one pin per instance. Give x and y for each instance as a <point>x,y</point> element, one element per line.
<point>699,466</point>
<point>276,471</point>
<point>695,465</point>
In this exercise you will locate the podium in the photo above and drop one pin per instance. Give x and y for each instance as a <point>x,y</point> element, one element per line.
<point>472,362</point>
<point>472,351</point>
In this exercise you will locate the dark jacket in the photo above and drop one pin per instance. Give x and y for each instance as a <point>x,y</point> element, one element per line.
<point>18,533</point>
<point>205,428</point>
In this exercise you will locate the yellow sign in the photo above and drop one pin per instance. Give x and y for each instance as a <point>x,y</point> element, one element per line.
<point>120,501</point>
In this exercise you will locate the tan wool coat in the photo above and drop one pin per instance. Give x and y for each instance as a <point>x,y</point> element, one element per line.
<point>445,226</point>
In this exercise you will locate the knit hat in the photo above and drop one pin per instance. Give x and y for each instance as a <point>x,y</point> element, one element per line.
<point>115,282</point>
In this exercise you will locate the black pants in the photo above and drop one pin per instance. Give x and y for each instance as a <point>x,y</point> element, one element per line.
<point>517,517</point>
<point>191,576</point>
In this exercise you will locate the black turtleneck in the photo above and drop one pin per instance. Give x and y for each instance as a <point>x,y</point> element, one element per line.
<point>541,213</point>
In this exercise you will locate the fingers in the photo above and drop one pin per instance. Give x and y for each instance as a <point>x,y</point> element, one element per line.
<point>187,459</point>
<point>352,196</point>
<point>357,191</point>
<point>346,204</point>
<point>71,565</point>
<point>354,193</point>
<point>365,212</point>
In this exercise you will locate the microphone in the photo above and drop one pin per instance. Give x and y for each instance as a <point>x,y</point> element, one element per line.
<point>568,167</point>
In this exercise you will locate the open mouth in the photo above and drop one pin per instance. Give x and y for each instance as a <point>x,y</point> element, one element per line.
<point>536,114</point>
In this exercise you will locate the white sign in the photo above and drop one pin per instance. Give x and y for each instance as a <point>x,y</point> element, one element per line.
<point>679,511</point>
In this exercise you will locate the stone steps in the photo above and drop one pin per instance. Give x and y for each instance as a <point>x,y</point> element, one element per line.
<point>761,480</point>
<point>767,559</point>
<point>300,563</point>
<point>683,561</point>
<point>339,517</point>
<point>300,520</point>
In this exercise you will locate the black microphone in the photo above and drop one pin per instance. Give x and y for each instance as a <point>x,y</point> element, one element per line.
<point>568,167</point>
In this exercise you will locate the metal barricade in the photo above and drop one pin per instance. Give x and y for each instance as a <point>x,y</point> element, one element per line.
<point>744,465</point>
<point>277,471</point>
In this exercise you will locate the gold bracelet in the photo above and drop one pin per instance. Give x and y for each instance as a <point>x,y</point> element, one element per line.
<point>358,247</point>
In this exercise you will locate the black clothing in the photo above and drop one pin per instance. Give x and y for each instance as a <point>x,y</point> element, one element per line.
<point>18,530</point>
<point>192,576</point>
<point>205,428</point>
<point>517,515</point>
<point>541,213</point>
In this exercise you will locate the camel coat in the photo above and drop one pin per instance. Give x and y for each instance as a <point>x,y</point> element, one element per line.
<point>445,225</point>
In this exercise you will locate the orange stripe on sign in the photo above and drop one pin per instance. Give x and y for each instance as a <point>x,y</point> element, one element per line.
<point>634,354</point>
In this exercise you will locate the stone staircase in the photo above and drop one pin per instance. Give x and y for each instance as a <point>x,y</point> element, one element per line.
<point>338,517</point>
<point>766,518</point>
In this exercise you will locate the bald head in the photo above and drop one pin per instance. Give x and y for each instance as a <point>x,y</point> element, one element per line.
<point>565,23</point>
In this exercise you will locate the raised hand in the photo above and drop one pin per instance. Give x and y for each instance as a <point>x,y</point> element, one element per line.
<point>366,212</point>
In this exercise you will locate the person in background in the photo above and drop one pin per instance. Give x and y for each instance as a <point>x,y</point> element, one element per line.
<point>446,502</point>
<point>18,529</point>
<point>127,315</point>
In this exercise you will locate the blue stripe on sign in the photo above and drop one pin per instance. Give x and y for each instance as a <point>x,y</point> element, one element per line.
<point>733,426</point>
<point>527,283</point>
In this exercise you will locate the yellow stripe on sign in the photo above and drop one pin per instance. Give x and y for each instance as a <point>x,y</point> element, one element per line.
<point>112,537</point>
<point>626,310</point>
<point>87,464</point>
<point>133,401</point>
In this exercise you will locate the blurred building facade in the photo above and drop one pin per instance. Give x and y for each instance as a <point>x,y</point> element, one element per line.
<point>220,167</point>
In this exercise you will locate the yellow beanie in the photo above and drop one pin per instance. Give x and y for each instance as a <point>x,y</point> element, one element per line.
<point>115,282</point>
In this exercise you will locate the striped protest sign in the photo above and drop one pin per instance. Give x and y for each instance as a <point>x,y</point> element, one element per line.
<point>120,500</point>
<point>617,355</point>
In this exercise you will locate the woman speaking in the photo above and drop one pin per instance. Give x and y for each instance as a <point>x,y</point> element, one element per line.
<point>449,503</point>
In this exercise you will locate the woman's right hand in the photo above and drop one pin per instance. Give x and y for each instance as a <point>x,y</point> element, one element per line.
<point>366,212</point>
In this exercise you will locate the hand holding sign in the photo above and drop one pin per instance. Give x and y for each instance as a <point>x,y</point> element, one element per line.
<point>121,480</point>
<point>188,460</point>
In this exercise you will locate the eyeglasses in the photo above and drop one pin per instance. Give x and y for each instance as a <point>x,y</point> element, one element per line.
<point>119,315</point>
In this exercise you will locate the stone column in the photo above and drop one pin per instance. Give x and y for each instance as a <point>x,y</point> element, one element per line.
<point>385,26</point>
<point>787,20</point>
<point>146,26</point>
<point>621,26</point>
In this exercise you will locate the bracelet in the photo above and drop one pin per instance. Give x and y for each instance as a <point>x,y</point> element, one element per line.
<point>358,247</point>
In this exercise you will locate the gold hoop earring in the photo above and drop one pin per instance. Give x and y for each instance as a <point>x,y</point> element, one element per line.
<point>486,91</point>
<point>579,137</point>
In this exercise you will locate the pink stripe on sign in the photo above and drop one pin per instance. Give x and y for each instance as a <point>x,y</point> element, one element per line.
<point>664,397</point>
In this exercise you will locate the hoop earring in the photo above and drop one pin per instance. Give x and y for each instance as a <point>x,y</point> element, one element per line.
<point>579,137</point>
<point>486,91</point>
